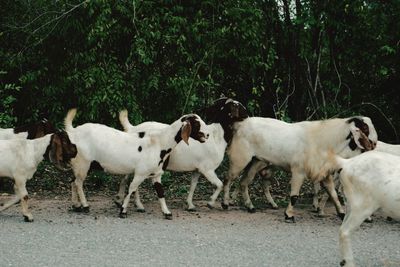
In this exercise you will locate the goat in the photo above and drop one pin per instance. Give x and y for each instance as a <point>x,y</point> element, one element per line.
<point>370,181</point>
<point>388,148</point>
<point>28,131</point>
<point>19,159</point>
<point>118,152</point>
<point>203,158</point>
<point>293,146</point>
<point>380,146</point>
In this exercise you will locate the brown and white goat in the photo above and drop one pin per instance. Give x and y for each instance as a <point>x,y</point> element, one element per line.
<point>119,152</point>
<point>202,158</point>
<point>19,159</point>
<point>294,147</point>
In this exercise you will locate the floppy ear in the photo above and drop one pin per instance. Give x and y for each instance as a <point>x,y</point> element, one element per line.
<point>360,138</point>
<point>186,130</point>
<point>55,154</point>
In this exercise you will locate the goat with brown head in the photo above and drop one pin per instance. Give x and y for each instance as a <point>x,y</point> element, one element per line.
<point>61,150</point>
<point>191,128</point>
<point>227,112</point>
<point>360,134</point>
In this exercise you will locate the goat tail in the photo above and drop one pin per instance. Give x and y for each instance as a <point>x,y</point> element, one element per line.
<point>8,204</point>
<point>69,118</point>
<point>123,119</point>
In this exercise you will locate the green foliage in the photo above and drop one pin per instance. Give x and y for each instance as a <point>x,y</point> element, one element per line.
<point>8,93</point>
<point>160,59</point>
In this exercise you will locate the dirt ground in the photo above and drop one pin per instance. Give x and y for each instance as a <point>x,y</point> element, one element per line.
<point>59,237</point>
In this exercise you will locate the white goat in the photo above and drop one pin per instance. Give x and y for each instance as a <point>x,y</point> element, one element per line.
<point>370,181</point>
<point>380,146</point>
<point>19,159</point>
<point>203,158</point>
<point>293,146</point>
<point>118,152</point>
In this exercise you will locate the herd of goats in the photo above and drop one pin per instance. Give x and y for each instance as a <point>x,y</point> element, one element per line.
<point>339,149</point>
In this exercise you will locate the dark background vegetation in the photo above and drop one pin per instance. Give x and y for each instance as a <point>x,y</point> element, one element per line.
<point>292,60</point>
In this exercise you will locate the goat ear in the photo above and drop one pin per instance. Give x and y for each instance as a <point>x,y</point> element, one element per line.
<point>186,130</point>
<point>361,139</point>
<point>55,154</point>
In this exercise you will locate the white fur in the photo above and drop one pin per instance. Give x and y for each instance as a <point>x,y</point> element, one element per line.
<point>118,153</point>
<point>294,147</point>
<point>19,159</point>
<point>380,146</point>
<point>204,158</point>
<point>370,181</point>
<point>388,148</point>
<point>8,133</point>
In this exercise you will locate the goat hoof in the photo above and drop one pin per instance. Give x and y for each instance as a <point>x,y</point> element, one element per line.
<point>315,209</point>
<point>168,216</point>
<point>389,219</point>
<point>210,206</point>
<point>368,220</point>
<point>191,209</point>
<point>123,215</point>
<point>251,210</point>
<point>27,219</point>
<point>341,216</point>
<point>76,209</point>
<point>343,263</point>
<point>119,205</point>
<point>289,219</point>
<point>85,209</point>
<point>275,207</point>
<point>139,210</point>
<point>224,206</point>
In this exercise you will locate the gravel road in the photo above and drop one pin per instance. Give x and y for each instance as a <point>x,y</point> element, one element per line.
<point>203,238</point>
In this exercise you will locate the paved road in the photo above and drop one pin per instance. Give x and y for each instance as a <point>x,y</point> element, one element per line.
<point>205,238</point>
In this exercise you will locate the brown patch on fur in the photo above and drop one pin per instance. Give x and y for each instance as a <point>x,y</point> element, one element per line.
<point>364,132</point>
<point>360,124</point>
<point>159,189</point>
<point>365,142</point>
<point>185,132</point>
<point>26,197</point>
<point>192,129</point>
<point>60,149</point>
<point>165,164</point>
